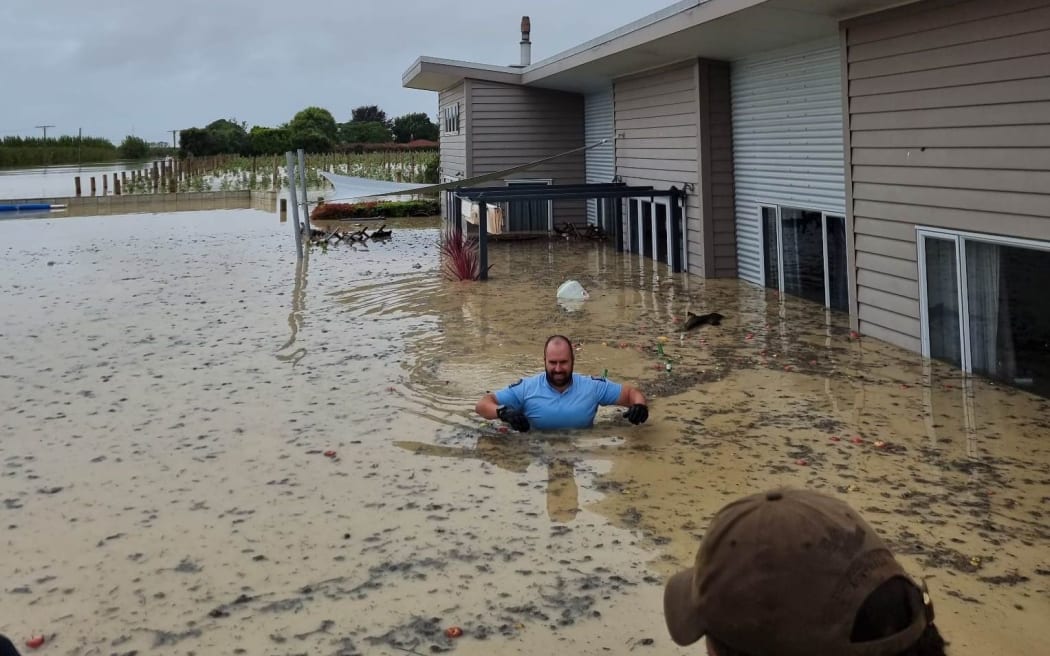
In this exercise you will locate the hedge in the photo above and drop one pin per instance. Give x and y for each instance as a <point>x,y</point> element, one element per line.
<point>370,209</point>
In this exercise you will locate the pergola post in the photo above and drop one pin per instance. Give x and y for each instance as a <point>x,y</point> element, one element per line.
<point>676,233</point>
<point>483,240</point>
<point>618,223</point>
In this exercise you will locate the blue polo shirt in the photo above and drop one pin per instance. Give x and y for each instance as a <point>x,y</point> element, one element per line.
<point>549,409</point>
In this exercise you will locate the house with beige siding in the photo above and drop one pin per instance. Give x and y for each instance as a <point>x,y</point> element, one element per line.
<point>885,159</point>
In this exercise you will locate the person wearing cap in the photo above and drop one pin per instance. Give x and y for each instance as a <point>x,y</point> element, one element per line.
<point>798,573</point>
<point>557,398</point>
<point>7,648</point>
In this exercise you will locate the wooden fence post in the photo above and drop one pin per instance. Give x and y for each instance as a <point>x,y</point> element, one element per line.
<point>76,182</point>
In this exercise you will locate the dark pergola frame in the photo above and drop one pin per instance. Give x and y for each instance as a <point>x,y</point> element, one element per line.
<point>606,192</point>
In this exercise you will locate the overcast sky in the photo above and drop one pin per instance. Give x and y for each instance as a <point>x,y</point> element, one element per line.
<point>146,67</point>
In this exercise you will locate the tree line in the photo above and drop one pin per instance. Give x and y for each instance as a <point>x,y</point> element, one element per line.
<point>36,151</point>
<point>313,129</point>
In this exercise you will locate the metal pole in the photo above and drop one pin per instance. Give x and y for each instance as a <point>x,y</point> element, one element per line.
<point>302,181</point>
<point>456,217</point>
<point>295,206</point>
<point>483,240</point>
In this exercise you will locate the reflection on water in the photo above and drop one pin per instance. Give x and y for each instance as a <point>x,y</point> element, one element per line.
<point>58,180</point>
<point>295,317</point>
<point>243,453</point>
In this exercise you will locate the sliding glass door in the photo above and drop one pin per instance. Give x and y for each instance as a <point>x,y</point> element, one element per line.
<point>983,305</point>
<point>804,254</point>
<point>653,233</point>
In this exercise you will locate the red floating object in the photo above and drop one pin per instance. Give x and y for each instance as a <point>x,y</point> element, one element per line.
<point>801,462</point>
<point>453,632</point>
<point>853,334</point>
<point>329,454</point>
<point>857,440</point>
<point>834,438</point>
<point>35,641</point>
<point>750,336</point>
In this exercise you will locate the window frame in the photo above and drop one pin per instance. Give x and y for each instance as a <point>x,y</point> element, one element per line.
<point>959,238</point>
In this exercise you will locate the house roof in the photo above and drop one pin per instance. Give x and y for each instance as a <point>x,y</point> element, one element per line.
<point>710,29</point>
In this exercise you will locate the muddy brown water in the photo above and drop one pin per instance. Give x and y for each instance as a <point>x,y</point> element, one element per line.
<point>170,385</point>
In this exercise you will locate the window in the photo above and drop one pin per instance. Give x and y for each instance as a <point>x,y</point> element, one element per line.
<point>450,119</point>
<point>804,254</point>
<point>982,306</point>
<point>530,215</point>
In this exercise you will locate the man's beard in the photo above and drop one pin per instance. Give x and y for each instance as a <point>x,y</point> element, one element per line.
<point>560,379</point>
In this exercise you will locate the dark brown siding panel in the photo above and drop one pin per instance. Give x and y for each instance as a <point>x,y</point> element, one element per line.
<point>719,172</point>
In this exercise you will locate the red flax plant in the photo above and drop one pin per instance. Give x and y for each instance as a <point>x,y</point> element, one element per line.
<point>461,259</point>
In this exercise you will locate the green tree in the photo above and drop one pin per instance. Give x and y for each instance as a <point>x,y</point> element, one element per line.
<point>269,141</point>
<point>228,136</point>
<point>371,132</point>
<point>414,126</point>
<point>312,141</point>
<point>313,129</point>
<point>196,142</point>
<point>134,148</point>
<point>368,114</point>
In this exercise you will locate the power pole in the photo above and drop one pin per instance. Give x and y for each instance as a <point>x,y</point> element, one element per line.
<point>45,127</point>
<point>173,144</point>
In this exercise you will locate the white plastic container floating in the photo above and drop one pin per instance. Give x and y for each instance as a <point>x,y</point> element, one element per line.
<point>572,290</point>
<point>571,296</point>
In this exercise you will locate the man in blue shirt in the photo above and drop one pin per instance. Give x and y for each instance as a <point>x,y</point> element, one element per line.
<point>558,398</point>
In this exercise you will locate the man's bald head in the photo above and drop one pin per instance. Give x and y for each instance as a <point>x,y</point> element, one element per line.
<point>558,360</point>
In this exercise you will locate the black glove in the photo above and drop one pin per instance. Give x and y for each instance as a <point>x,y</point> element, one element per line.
<point>637,413</point>
<point>515,418</point>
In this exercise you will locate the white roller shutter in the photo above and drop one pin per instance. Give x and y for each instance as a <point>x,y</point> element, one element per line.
<point>598,125</point>
<point>787,139</point>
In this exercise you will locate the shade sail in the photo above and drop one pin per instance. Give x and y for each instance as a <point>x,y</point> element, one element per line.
<point>349,188</point>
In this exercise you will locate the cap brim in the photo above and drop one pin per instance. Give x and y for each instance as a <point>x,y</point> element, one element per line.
<point>681,610</point>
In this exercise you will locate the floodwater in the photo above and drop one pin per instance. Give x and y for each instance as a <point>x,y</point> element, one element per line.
<point>58,180</point>
<point>208,449</point>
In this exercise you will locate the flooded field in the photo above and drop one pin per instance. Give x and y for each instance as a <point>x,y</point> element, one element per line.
<point>57,180</point>
<point>207,449</point>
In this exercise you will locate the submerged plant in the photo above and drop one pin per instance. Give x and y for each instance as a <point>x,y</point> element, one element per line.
<point>461,260</point>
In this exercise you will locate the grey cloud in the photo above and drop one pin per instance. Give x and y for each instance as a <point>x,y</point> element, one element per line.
<point>113,67</point>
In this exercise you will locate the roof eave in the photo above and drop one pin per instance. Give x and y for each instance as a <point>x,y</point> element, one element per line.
<point>434,74</point>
